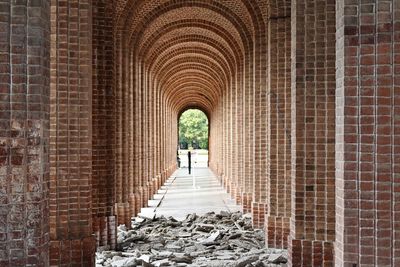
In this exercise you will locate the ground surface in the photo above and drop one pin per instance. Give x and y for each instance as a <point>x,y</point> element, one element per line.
<point>224,239</point>
<point>191,222</point>
<point>199,158</point>
<point>184,194</point>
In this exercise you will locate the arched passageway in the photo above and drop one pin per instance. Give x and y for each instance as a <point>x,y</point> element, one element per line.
<point>303,101</point>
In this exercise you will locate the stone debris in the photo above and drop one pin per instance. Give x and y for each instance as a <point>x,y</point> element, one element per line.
<point>213,240</point>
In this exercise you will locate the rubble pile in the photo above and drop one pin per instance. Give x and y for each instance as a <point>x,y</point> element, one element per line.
<point>225,239</point>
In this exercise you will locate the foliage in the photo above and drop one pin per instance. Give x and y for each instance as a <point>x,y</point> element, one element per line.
<point>193,129</point>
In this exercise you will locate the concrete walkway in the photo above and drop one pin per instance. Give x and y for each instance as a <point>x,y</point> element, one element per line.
<point>178,197</point>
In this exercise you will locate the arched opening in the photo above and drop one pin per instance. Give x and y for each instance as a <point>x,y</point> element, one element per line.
<point>193,136</point>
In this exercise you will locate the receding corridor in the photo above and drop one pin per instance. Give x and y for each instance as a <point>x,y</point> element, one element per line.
<point>299,103</point>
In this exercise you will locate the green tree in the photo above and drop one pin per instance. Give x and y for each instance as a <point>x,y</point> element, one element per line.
<point>193,128</point>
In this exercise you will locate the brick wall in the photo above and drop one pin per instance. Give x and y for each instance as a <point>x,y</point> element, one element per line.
<point>367,194</point>
<point>103,123</point>
<point>248,132</point>
<point>259,112</point>
<point>24,133</point>
<point>71,228</point>
<point>313,133</point>
<point>279,127</point>
<point>123,118</point>
<point>302,98</point>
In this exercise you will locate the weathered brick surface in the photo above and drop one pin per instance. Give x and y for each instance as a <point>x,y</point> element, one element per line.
<point>279,141</point>
<point>103,122</point>
<point>24,133</point>
<point>72,242</point>
<point>367,130</point>
<point>76,252</point>
<point>303,126</point>
<point>260,125</point>
<point>313,133</point>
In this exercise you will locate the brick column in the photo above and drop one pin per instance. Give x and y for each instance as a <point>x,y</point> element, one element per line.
<point>72,239</point>
<point>259,201</point>
<point>238,141</point>
<point>277,225</point>
<point>367,134</point>
<point>24,133</point>
<point>234,162</point>
<point>137,137</point>
<point>248,133</point>
<point>228,140</point>
<point>216,141</point>
<point>146,116</point>
<point>122,206</point>
<point>313,133</point>
<point>224,142</point>
<point>103,127</point>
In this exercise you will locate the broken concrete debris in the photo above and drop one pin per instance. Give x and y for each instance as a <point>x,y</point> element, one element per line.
<point>213,240</point>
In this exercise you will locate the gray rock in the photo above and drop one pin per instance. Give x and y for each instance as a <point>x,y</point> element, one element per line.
<point>185,235</point>
<point>246,260</point>
<point>212,240</point>
<point>226,257</point>
<point>165,254</point>
<point>173,248</point>
<point>145,258</point>
<point>160,263</point>
<point>205,227</point>
<point>191,217</point>
<point>235,236</point>
<point>259,264</point>
<point>127,262</point>
<point>277,258</point>
<point>182,259</point>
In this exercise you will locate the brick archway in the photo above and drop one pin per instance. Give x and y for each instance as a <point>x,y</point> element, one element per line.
<point>302,97</point>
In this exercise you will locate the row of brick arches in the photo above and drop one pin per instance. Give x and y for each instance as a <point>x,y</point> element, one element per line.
<point>303,98</point>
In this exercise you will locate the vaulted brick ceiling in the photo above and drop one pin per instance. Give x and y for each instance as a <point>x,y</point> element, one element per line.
<point>192,50</point>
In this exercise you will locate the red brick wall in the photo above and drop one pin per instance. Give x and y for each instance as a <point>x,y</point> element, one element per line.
<point>103,122</point>
<point>313,133</point>
<point>367,130</point>
<point>279,130</point>
<point>122,115</point>
<point>248,133</point>
<point>260,123</point>
<point>307,142</point>
<point>71,229</point>
<point>24,133</point>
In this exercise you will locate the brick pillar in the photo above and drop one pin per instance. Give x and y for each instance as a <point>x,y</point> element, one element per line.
<point>259,200</point>
<point>277,225</point>
<point>367,134</point>
<point>121,120</point>
<point>24,133</point>
<point>313,133</point>
<point>224,132</point>
<point>103,127</point>
<point>137,138</point>
<point>234,151</point>
<point>238,140</point>
<point>248,133</point>
<point>228,140</point>
<point>129,129</point>
<point>72,239</point>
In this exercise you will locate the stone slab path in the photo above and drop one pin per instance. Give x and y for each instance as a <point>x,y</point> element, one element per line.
<point>182,194</point>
